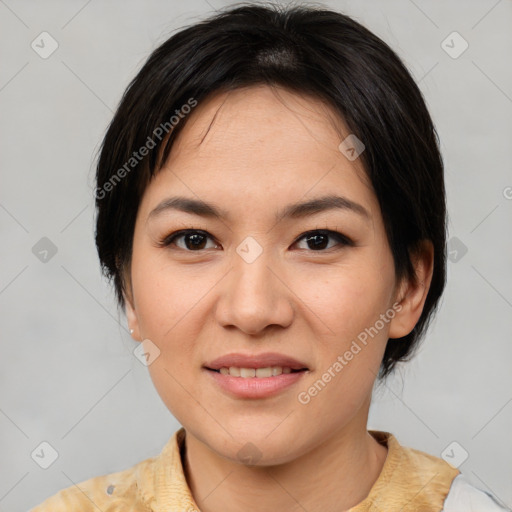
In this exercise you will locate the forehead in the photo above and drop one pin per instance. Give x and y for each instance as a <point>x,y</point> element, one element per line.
<point>264,144</point>
<point>260,117</point>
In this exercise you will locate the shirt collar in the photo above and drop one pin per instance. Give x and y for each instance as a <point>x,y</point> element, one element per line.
<point>415,476</point>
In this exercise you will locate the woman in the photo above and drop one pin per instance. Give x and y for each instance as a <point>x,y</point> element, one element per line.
<point>271,210</point>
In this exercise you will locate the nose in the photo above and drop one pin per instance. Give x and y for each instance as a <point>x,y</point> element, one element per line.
<point>255,296</point>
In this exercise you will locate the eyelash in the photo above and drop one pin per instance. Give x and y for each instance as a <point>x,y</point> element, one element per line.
<point>342,240</point>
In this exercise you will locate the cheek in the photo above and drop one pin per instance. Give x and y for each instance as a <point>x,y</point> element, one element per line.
<point>349,353</point>
<point>166,296</point>
<point>346,300</point>
<point>171,314</point>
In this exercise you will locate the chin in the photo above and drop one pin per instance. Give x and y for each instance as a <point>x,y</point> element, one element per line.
<point>257,445</point>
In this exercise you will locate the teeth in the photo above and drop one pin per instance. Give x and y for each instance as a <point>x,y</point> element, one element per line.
<point>269,371</point>
<point>264,372</point>
<point>235,372</point>
<point>246,372</point>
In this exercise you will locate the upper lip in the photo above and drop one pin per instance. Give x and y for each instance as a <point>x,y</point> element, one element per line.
<point>255,361</point>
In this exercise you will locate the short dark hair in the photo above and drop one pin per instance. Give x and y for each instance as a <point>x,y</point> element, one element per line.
<point>307,50</point>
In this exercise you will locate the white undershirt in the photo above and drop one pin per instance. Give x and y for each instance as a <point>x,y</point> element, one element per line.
<point>463,497</point>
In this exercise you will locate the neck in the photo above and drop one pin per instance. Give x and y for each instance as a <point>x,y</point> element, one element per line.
<point>336,475</point>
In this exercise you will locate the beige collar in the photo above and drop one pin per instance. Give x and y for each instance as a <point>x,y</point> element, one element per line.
<point>410,480</point>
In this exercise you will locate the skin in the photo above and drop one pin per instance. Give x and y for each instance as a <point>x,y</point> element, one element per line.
<point>252,152</point>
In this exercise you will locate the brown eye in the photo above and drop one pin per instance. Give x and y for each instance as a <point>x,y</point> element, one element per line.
<point>318,240</point>
<point>193,240</point>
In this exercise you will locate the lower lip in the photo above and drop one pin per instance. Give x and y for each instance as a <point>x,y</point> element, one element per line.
<point>255,387</point>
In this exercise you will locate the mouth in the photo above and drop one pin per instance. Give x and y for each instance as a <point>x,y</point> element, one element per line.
<point>255,376</point>
<point>268,364</point>
<point>250,373</point>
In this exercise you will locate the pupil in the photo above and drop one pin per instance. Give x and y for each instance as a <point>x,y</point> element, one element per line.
<point>316,243</point>
<point>197,240</point>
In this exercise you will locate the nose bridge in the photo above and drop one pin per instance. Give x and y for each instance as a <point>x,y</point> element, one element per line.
<point>254,298</point>
<point>252,279</point>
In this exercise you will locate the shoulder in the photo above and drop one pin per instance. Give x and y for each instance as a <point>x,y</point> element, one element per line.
<point>459,494</point>
<point>112,492</point>
<point>409,464</point>
<point>463,497</point>
<point>410,480</point>
<point>416,480</point>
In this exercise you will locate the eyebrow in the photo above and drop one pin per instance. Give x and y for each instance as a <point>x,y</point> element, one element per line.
<point>294,211</point>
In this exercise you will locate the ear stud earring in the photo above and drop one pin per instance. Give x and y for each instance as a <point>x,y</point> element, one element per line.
<point>131,331</point>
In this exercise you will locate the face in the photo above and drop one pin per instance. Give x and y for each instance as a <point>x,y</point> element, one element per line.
<point>263,285</point>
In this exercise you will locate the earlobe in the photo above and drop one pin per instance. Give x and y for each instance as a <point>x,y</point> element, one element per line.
<point>413,292</point>
<point>131,317</point>
<point>129,304</point>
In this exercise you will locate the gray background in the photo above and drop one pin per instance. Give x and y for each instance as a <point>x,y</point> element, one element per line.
<point>67,373</point>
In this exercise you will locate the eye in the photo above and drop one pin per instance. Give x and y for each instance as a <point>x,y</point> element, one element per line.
<point>318,239</point>
<point>193,240</point>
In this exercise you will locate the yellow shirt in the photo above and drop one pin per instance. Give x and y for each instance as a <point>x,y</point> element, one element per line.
<point>410,480</point>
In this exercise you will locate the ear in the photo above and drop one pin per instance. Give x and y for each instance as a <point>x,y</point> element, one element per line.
<point>129,303</point>
<point>131,315</point>
<point>413,292</point>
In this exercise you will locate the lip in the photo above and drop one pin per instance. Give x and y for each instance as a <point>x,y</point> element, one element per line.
<point>255,361</point>
<point>255,387</point>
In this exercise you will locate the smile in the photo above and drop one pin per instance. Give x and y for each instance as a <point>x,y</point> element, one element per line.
<point>269,371</point>
<point>250,384</point>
